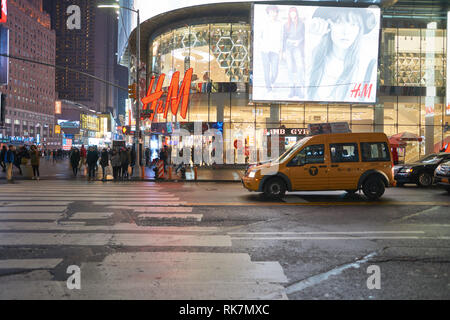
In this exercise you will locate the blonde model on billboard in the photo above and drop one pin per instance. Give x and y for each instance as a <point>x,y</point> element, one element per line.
<point>336,65</point>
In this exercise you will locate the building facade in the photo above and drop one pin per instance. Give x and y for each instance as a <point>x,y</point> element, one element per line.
<point>30,92</point>
<point>216,40</point>
<point>90,47</point>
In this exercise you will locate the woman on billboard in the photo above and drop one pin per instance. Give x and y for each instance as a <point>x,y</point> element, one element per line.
<point>338,63</point>
<point>294,53</point>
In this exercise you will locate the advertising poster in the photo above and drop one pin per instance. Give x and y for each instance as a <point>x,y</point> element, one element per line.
<point>4,49</point>
<point>309,53</point>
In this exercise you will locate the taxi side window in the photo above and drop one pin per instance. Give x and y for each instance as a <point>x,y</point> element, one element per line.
<point>344,152</point>
<point>375,151</point>
<point>308,155</point>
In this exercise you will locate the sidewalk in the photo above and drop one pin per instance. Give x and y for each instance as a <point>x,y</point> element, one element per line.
<point>61,170</point>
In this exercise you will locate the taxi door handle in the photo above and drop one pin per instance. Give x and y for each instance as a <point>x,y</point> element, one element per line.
<point>334,165</point>
<point>322,166</point>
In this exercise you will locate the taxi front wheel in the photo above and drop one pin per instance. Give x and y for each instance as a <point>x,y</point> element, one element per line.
<point>274,188</point>
<point>373,188</point>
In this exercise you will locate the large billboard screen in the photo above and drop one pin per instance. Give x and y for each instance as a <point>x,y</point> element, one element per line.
<point>447,109</point>
<point>318,54</point>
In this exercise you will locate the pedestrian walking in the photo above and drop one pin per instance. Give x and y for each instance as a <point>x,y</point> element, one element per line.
<point>18,159</point>
<point>54,155</point>
<point>91,160</point>
<point>116,164</point>
<point>75,161</point>
<point>9,161</point>
<point>104,162</point>
<point>35,158</point>
<point>125,162</point>
<point>2,158</point>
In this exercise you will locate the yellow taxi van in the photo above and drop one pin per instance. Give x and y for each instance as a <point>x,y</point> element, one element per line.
<point>337,161</point>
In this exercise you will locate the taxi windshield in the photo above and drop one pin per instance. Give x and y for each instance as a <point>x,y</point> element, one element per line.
<point>292,150</point>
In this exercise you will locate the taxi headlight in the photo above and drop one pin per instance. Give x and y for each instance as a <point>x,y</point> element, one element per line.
<point>252,174</point>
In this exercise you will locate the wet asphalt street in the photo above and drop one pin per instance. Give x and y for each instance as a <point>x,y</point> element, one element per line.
<point>145,240</point>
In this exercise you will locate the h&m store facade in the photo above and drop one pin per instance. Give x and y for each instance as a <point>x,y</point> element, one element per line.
<point>215,38</point>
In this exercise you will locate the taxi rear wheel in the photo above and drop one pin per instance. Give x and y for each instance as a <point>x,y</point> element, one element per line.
<point>274,188</point>
<point>373,188</point>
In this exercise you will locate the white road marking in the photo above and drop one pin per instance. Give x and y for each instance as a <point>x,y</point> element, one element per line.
<point>29,263</point>
<point>36,203</point>
<point>140,203</point>
<point>68,199</point>
<point>172,216</point>
<point>153,209</point>
<point>433,209</point>
<point>31,209</point>
<point>312,281</point>
<point>326,232</point>
<point>81,226</point>
<point>335,238</point>
<point>119,239</point>
<point>91,215</point>
<point>28,216</point>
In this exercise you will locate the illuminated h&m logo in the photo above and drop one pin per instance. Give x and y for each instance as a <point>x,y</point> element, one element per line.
<point>154,104</point>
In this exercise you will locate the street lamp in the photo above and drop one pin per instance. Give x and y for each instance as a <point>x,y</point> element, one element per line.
<point>137,168</point>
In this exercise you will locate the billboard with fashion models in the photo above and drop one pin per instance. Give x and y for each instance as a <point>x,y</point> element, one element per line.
<point>321,54</point>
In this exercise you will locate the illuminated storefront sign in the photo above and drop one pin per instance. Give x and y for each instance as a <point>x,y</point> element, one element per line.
<point>58,107</point>
<point>154,104</point>
<point>57,129</point>
<point>4,61</point>
<point>3,12</point>
<point>89,122</point>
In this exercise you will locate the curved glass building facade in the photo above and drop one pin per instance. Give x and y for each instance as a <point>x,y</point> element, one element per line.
<point>411,80</point>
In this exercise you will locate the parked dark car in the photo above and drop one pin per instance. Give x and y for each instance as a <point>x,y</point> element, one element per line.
<point>420,172</point>
<point>442,175</point>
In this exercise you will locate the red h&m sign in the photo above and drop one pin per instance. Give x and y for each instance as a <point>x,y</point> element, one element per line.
<point>176,95</point>
<point>3,12</point>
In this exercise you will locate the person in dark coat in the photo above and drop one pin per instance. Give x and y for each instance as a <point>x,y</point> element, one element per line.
<point>132,159</point>
<point>2,158</point>
<point>18,159</point>
<point>116,164</point>
<point>125,162</point>
<point>91,160</point>
<point>75,160</point>
<point>104,162</point>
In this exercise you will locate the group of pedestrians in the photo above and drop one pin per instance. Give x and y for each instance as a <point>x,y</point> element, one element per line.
<point>11,157</point>
<point>122,161</point>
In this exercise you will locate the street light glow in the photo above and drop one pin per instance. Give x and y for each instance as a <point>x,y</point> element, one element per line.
<point>116,6</point>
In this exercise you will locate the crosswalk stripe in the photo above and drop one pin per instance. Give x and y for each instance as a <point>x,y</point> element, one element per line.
<point>119,239</point>
<point>32,203</point>
<point>140,203</point>
<point>89,198</point>
<point>27,209</point>
<point>171,216</point>
<point>153,209</point>
<point>70,226</point>
<point>27,216</point>
<point>29,263</point>
<point>91,215</point>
